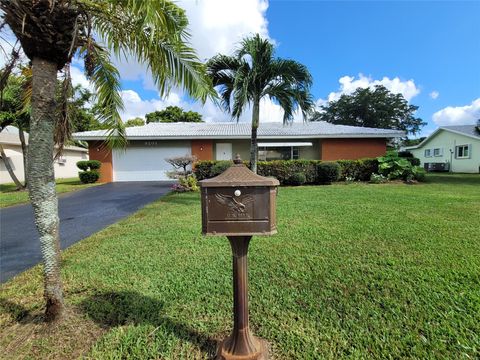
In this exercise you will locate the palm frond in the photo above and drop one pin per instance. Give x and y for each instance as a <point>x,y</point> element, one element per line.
<point>154,33</point>
<point>106,80</point>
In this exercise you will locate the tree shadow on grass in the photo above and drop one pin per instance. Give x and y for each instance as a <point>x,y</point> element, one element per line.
<point>112,309</point>
<point>18,312</point>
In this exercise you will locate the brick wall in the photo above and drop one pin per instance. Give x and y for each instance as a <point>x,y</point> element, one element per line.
<point>98,151</point>
<point>351,149</point>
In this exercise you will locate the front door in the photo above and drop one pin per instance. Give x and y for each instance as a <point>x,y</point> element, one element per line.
<point>224,151</point>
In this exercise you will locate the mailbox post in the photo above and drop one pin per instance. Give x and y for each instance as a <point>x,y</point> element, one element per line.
<point>239,204</point>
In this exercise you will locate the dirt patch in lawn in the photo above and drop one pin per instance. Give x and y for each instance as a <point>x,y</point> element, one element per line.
<point>28,336</point>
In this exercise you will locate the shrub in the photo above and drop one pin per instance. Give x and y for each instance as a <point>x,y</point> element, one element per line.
<point>360,169</point>
<point>283,170</point>
<point>219,167</point>
<point>186,184</point>
<point>83,165</point>
<point>297,179</point>
<point>409,156</point>
<point>328,172</point>
<point>378,179</point>
<point>89,174</point>
<point>89,177</point>
<point>395,167</point>
<point>94,164</point>
<point>202,169</point>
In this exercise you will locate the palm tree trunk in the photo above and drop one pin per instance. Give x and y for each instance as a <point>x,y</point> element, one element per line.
<point>253,139</point>
<point>21,136</point>
<point>8,166</point>
<point>41,181</point>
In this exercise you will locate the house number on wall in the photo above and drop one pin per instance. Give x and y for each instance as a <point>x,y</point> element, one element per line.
<point>150,143</point>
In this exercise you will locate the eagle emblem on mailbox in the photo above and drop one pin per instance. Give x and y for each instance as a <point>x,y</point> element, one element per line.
<point>236,208</point>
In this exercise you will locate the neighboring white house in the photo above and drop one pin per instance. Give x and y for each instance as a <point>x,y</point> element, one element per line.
<point>456,148</point>
<point>65,166</point>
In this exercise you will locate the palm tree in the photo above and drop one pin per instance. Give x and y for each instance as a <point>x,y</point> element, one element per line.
<point>253,73</point>
<point>51,33</point>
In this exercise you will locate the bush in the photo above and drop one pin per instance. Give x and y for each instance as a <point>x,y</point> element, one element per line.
<point>94,164</point>
<point>186,184</point>
<point>89,177</point>
<point>328,172</point>
<point>83,165</point>
<point>203,168</point>
<point>89,174</point>
<point>297,179</point>
<point>378,179</point>
<point>219,167</point>
<point>395,167</point>
<point>360,169</point>
<point>283,170</point>
<point>409,156</point>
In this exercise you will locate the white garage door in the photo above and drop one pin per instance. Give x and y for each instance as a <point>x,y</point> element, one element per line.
<point>145,161</point>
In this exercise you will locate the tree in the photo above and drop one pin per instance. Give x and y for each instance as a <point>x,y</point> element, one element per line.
<point>253,73</point>
<point>375,108</point>
<point>138,121</point>
<point>51,34</point>
<point>14,112</point>
<point>173,114</point>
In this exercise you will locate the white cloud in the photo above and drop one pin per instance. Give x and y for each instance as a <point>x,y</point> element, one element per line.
<point>216,26</point>
<point>348,84</point>
<point>434,94</point>
<point>458,115</point>
<point>136,107</point>
<point>79,78</point>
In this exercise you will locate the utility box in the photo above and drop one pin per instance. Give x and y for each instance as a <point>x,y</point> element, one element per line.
<point>239,202</point>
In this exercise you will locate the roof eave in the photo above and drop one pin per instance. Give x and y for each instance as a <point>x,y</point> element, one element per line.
<point>241,137</point>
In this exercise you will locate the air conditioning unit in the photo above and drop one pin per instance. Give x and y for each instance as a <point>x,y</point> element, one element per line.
<point>437,166</point>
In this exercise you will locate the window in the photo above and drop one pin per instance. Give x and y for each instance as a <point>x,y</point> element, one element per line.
<point>462,151</point>
<point>437,152</point>
<point>275,153</point>
<point>428,153</point>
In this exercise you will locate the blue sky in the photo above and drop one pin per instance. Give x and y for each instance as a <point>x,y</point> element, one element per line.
<point>436,44</point>
<point>428,51</point>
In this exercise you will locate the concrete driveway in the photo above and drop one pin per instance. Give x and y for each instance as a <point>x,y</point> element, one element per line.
<point>82,213</point>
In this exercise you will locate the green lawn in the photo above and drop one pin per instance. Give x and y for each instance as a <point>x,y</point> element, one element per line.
<point>10,196</point>
<point>356,271</point>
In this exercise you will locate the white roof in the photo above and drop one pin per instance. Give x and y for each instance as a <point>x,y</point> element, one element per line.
<point>9,136</point>
<point>234,130</point>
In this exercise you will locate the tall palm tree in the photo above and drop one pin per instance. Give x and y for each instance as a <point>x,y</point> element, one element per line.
<point>254,73</point>
<point>51,33</point>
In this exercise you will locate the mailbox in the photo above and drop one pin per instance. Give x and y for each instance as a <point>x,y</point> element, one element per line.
<point>239,202</point>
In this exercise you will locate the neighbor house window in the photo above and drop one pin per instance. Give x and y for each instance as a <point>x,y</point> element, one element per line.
<point>437,152</point>
<point>462,151</point>
<point>428,152</point>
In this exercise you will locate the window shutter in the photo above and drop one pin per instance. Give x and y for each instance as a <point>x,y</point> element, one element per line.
<point>469,151</point>
<point>441,151</point>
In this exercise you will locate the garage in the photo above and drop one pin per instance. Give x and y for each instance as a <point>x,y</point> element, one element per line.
<point>145,160</point>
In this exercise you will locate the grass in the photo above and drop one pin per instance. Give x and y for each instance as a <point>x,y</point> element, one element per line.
<point>356,271</point>
<point>9,195</point>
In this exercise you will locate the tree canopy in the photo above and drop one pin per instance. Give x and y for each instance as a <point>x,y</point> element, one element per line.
<point>138,121</point>
<point>173,114</point>
<point>375,108</point>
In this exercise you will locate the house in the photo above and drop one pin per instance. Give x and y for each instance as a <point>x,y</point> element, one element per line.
<point>65,166</point>
<point>450,148</point>
<point>149,145</point>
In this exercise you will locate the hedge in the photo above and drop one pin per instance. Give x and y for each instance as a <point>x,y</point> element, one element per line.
<point>315,171</point>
